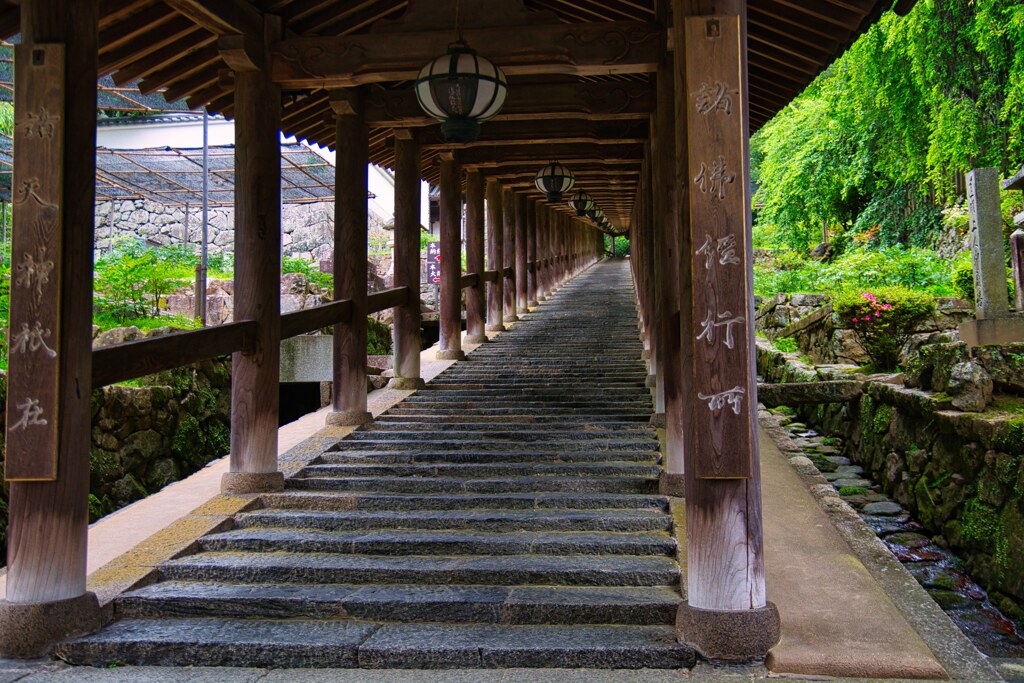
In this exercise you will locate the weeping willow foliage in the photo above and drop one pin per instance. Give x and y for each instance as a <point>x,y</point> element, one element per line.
<point>877,141</point>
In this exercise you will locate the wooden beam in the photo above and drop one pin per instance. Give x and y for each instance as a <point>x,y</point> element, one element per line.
<point>148,356</point>
<point>388,298</point>
<point>593,49</point>
<point>222,17</point>
<point>482,156</point>
<point>529,101</point>
<point>557,132</point>
<point>318,317</point>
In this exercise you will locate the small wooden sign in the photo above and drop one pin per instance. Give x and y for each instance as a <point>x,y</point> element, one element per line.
<point>34,335</point>
<point>724,392</point>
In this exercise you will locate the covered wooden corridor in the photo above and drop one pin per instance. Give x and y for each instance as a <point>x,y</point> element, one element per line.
<point>649,103</point>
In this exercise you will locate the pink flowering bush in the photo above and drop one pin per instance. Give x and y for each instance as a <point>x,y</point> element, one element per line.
<point>883,320</point>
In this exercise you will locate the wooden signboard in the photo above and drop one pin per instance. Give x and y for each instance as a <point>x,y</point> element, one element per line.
<point>722,425</point>
<point>34,335</point>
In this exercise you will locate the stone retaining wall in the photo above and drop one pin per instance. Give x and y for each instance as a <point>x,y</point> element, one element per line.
<point>960,473</point>
<point>307,229</point>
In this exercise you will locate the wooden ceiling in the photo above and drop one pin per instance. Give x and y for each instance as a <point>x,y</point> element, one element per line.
<point>595,123</point>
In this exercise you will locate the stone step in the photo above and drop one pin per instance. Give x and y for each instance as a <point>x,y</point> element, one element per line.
<point>504,443</point>
<point>490,457</point>
<point>484,470</point>
<point>498,485</point>
<point>435,418</point>
<point>582,406</point>
<point>330,501</point>
<point>479,520</point>
<point>556,395</point>
<point>305,643</point>
<point>644,605</point>
<point>507,570</point>
<point>511,413</point>
<point>418,539</point>
<point>574,426</point>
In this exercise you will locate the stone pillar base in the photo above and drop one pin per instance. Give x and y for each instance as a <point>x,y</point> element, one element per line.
<point>652,381</point>
<point>252,482</point>
<point>450,355</point>
<point>532,304</point>
<point>672,485</point>
<point>494,328</point>
<point>406,383</point>
<point>645,354</point>
<point>740,636</point>
<point>511,318</point>
<point>523,309</point>
<point>658,420</point>
<point>30,630</point>
<point>348,418</point>
<point>476,339</point>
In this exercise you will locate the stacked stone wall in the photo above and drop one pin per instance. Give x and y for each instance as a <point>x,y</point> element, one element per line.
<point>960,473</point>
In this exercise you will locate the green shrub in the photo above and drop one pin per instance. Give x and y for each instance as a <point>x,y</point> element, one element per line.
<point>864,268</point>
<point>311,270</point>
<point>883,320</point>
<point>786,344</point>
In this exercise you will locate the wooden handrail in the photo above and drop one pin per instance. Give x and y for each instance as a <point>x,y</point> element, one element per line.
<point>147,356</point>
<point>490,276</point>
<point>389,298</point>
<point>469,280</point>
<point>509,272</point>
<point>311,319</point>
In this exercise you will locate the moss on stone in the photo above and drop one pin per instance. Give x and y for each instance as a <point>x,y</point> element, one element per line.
<point>883,418</point>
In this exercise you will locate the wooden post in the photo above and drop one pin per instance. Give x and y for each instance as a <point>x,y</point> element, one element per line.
<point>508,210</point>
<point>451,260</point>
<point>1017,261</point>
<point>522,262</point>
<point>475,300</point>
<point>531,253</point>
<point>541,239</point>
<point>495,257</point>
<point>726,615</point>
<point>255,376</point>
<point>407,334</point>
<point>664,149</point>
<point>350,247</point>
<point>48,416</point>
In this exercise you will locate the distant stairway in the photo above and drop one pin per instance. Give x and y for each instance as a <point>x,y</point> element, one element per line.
<point>505,516</point>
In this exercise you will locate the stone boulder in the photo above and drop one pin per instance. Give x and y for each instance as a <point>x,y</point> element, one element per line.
<point>971,387</point>
<point>118,335</point>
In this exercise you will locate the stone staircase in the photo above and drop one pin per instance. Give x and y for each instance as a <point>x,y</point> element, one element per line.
<point>506,516</point>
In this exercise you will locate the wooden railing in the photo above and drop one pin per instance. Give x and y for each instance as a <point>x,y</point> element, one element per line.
<point>469,280</point>
<point>147,356</point>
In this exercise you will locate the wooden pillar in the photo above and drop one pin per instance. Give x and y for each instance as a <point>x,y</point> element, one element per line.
<point>476,304</point>
<point>508,210</point>
<point>495,257</point>
<point>255,375</point>
<point>543,226</point>
<point>48,424</point>
<point>531,253</point>
<point>451,260</point>
<point>350,252</point>
<point>726,615</point>
<point>664,158</point>
<point>407,333</point>
<point>522,261</point>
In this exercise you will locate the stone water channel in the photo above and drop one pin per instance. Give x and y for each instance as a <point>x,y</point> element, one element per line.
<point>937,569</point>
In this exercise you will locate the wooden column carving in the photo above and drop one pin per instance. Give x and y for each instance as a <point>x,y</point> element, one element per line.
<point>451,261</point>
<point>350,251</point>
<point>723,498</point>
<point>48,416</point>
<point>476,305</point>
<point>495,257</point>
<point>407,335</point>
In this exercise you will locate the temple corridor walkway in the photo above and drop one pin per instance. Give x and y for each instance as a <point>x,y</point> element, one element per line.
<point>506,516</point>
